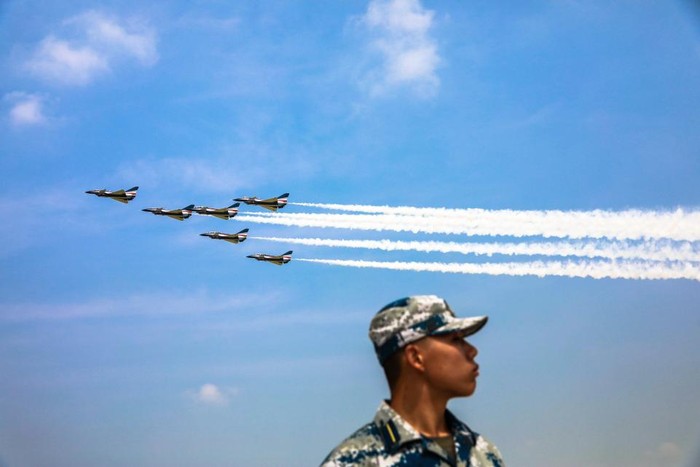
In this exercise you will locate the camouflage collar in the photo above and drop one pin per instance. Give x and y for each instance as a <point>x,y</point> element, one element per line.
<point>396,432</point>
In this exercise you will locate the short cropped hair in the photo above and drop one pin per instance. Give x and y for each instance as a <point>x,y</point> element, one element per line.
<point>392,368</point>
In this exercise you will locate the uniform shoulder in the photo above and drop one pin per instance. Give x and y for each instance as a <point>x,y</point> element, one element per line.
<point>486,453</point>
<point>358,449</point>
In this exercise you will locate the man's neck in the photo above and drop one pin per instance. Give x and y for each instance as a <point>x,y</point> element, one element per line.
<point>424,413</point>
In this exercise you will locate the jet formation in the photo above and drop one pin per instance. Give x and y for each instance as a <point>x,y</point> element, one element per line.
<point>279,260</point>
<point>123,196</point>
<point>273,204</point>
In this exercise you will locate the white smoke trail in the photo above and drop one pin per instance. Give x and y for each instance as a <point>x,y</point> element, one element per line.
<point>625,225</point>
<point>592,269</point>
<point>648,250</point>
<point>453,212</point>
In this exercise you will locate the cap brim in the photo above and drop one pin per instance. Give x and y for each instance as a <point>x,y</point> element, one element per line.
<point>468,326</point>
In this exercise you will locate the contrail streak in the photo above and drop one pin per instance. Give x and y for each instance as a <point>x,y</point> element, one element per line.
<point>624,225</point>
<point>592,269</point>
<point>649,250</point>
<point>451,212</point>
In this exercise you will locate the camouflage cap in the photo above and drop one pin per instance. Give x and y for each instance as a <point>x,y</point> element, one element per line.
<point>408,319</point>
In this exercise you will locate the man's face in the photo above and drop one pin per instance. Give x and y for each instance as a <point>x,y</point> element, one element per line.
<point>449,364</point>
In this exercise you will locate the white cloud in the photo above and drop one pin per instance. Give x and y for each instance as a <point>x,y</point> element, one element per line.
<point>666,453</point>
<point>99,43</point>
<point>211,394</point>
<point>27,227</point>
<point>113,38</point>
<point>399,16</point>
<point>409,53</point>
<point>208,22</point>
<point>537,117</point>
<point>166,302</point>
<point>255,312</point>
<point>60,62</point>
<point>27,109</point>
<point>220,175</point>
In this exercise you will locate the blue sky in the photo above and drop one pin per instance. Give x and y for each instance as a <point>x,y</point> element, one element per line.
<point>128,339</point>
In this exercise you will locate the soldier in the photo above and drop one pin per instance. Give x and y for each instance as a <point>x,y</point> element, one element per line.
<point>427,361</point>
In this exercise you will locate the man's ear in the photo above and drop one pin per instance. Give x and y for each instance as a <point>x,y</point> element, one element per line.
<point>414,357</point>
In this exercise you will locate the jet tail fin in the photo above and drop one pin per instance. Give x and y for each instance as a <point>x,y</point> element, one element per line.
<point>235,205</point>
<point>133,189</point>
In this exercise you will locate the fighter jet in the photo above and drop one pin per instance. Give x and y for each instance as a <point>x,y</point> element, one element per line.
<point>119,195</point>
<point>273,204</point>
<point>233,238</point>
<point>279,260</point>
<point>221,213</point>
<point>179,214</point>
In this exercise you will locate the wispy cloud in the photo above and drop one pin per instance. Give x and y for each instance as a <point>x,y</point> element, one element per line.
<point>60,62</point>
<point>131,38</point>
<point>211,394</point>
<point>208,22</point>
<point>538,117</point>
<point>27,226</point>
<point>26,109</point>
<point>219,175</point>
<point>666,453</point>
<point>409,54</point>
<point>166,302</point>
<point>96,43</point>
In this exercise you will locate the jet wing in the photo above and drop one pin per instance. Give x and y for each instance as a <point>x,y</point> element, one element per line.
<point>281,259</point>
<point>239,237</point>
<point>120,195</point>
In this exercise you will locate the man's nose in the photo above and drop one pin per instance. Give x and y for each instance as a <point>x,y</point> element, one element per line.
<point>470,349</point>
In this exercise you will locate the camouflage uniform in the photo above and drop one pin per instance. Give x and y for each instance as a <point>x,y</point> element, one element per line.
<point>390,441</point>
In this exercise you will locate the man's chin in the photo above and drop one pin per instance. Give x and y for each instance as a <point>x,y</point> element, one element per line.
<point>468,391</point>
